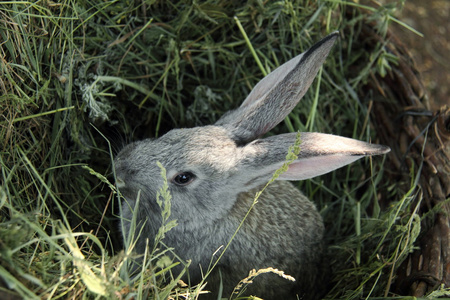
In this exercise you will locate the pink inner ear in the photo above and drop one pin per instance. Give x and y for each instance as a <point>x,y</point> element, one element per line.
<point>314,166</point>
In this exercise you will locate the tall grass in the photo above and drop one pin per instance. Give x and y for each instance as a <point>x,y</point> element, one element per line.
<point>77,76</point>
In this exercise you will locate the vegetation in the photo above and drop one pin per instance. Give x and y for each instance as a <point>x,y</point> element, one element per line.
<point>79,79</point>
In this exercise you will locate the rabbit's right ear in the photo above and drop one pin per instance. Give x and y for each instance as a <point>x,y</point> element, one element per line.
<point>320,153</point>
<point>273,98</point>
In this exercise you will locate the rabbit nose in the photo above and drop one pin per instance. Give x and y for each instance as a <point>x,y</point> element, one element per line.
<point>120,183</point>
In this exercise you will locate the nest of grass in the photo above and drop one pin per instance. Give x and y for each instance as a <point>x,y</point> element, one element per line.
<point>79,79</point>
<point>420,140</point>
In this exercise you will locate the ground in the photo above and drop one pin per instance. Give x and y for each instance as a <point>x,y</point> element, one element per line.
<point>431,51</point>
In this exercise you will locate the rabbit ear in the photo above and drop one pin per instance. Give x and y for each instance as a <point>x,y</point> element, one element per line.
<point>273,98</point>
<point>319,154</point>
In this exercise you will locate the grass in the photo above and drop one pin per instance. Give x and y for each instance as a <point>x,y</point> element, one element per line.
<point>76,75</point>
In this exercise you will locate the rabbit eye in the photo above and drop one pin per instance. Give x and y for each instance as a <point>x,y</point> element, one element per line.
<point>183,179</point>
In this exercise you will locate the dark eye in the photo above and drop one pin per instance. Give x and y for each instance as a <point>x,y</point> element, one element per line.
<point>183,179</point>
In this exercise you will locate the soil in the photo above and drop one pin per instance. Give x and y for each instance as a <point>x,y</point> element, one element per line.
<point>431,51</point>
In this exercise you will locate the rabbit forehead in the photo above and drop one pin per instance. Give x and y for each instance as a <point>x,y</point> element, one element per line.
<point>209,146</point>
<point>206,148</point>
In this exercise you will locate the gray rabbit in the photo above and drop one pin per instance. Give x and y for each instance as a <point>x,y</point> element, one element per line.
<point>213,174</point>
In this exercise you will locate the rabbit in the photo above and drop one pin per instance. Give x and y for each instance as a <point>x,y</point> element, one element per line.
<point>213,173</point>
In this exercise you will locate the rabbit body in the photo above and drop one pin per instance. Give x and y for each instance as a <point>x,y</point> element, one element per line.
<point>213,174</point>
<point>283,230</point>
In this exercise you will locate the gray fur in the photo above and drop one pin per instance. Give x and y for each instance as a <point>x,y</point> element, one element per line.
<point>284,230</point>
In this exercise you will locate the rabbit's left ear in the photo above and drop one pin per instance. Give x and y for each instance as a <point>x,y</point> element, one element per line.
<point>273,98</point>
